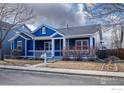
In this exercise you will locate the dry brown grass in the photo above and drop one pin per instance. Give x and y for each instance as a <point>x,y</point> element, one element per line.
<point>19,62</point>
<point>121,67</point>
<point>83,65</point>
<point>76,65</point>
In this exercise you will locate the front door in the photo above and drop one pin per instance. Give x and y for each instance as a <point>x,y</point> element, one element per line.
<point>48,48</point>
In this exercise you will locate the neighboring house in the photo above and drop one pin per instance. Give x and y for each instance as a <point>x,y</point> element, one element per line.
<point>54,41</point>
<point>112,40</point>
<point>6,44</point>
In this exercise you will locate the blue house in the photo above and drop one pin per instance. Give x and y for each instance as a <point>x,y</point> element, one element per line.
<point>53,41</point>
<point>7,46</point>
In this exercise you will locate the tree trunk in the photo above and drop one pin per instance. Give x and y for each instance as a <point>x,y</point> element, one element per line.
<point>1,51</point>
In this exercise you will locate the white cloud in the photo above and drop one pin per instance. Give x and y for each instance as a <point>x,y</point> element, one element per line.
<point>58,15</point>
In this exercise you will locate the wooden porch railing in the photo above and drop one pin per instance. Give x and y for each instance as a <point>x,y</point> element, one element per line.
<point>75,54</point>
<point>38,53</point>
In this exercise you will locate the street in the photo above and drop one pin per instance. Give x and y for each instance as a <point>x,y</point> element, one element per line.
<point>16,77</point>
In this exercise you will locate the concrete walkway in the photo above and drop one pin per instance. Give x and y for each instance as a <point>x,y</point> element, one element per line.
<point>65,71</point>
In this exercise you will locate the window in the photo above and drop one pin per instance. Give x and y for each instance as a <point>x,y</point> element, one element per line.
<point>78,44</point>
<point>43,30</point>
<point>85,44</point>
<point>82,44</point>
<point>47,46</point>
<point>19,44</point>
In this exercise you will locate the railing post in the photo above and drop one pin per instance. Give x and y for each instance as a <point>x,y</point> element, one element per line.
<point>91,45</point>
<point>53,47</point>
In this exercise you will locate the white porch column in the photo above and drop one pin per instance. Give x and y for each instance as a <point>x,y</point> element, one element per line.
<point>34,48</point>
<point>53,47</point>
<point>64,43</point>
<point>25,48</point>
<point>91,45</point>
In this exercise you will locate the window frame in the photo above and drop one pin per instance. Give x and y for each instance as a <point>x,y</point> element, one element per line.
<point>19,45</point>
<point>43,30</point>
<point>82,44</point>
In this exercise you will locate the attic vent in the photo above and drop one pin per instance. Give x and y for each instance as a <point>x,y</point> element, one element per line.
<point>43,30</point>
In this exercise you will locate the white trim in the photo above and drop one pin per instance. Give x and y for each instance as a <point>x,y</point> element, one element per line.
<point>53,47</point>
<point>53,34</point>
<point>27,34</point>
<point>64,43</point>
<point>18,42</point>
<point>49,45</point>
<point>81,40</point>
<point>47,27</point>
<point>91,45</point>
<point>91,42</point>
<point>17,35</point>
<point>76,43</point>
<point>43,30</point>
<point>58,38</point>
<point>13,38</point>
<point>34,48</point>
<point>56,34</point>
<point>38,28</point>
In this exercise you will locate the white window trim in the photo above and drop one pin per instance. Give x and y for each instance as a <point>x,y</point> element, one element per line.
<point>81,43</point>
<point>50,45</point>
<point>43,30</point>
<point>19,42</point>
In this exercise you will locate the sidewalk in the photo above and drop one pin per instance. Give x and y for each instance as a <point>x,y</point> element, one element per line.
<point>64,71</point>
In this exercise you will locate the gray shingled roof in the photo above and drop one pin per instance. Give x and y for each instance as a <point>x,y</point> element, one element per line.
<point>26,36</point>
<point>79,30</point>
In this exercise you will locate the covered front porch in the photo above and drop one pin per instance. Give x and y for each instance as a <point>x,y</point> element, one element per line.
<point>53,48</point>
<point>79,48</point>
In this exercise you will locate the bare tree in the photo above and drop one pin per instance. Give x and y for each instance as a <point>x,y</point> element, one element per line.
<point>104,11</point>
<point>115,38</point>
<point>10,16</point>
<point>107,14</point>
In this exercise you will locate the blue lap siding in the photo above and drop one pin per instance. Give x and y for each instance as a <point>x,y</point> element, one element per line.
<point>49,32</point>
<point>19,38</point>
<point>29,47</point>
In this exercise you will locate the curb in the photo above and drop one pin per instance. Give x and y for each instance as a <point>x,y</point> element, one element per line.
<point>65,71</point>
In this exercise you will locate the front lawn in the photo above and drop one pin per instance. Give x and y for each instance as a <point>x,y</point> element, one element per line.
<point>76,65</point>
<point>88,65</point>
<point>19,62</point>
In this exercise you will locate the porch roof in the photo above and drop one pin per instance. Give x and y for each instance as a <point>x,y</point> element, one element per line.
<point>22,34</point>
